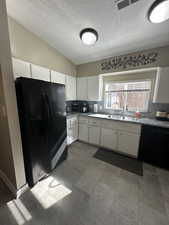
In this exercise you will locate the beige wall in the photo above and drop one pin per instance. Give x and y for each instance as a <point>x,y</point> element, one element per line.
<point>6,160</point>
<point>11,156</point>
<point>28,47</point>
<point>94,68</point>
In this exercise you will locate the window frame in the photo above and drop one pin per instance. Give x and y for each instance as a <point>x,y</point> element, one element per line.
<point>128,81</point>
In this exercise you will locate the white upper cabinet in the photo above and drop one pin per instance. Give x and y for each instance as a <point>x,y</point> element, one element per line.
<point>94,85</point>
<point>89,88</point>
<point>70,88</point>
<point>57,77</point>
<point>40,73</point>
<point>161,92</point>
<point>82,88</point>
<point>21,68</point>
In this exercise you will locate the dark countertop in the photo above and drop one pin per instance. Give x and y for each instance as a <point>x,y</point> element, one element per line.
<point>129,119</point>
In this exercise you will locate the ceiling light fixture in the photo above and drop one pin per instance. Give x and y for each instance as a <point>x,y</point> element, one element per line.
<point>159,11</point>
<point>89,36</point>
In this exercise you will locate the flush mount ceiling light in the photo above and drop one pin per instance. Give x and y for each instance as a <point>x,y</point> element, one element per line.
<point>159,11</point>
<point>89,36</point>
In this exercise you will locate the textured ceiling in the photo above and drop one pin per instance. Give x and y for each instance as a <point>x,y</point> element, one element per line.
<point>59,22</point>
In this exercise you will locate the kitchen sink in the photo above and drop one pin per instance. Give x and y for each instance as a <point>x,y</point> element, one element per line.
<point>115,117</point>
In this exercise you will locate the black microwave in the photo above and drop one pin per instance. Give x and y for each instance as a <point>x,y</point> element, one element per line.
<point>79,106</point>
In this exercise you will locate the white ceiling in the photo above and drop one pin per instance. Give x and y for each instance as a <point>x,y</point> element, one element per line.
<point>59,22</point>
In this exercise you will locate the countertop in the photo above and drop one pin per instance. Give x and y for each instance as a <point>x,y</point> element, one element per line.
<point>129,119</point>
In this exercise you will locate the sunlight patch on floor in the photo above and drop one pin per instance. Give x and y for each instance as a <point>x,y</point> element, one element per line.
<point>50,191</point>
<point>19,211</point>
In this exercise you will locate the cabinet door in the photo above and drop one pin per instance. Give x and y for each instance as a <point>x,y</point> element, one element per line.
<point>94,89</point>
<point>128,143</point>
<point>161,92</point>
<point>40,73</point>
<point>21,68</point>
<point>94,135</point>
<point>70,88</point>
<point>82,88</point>
<point>74,125</point>
<point>59,78</point>
<point>69,132</point>
<point>109,138</point>
<point>72,130</point>
<point>83,132</point>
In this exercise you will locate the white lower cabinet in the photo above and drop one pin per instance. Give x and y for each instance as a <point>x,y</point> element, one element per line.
<point>128,143</point>
<point>72,130</point>
<point>116,136</point>
<point>109,138</point>
<point>94,135</point>
<point>83,132</point>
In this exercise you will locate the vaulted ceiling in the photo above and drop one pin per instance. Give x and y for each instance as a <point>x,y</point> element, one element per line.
<point>120,31</point>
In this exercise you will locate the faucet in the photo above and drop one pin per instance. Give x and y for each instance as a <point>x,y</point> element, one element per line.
<point>124,109</point>
<point>122,112</point>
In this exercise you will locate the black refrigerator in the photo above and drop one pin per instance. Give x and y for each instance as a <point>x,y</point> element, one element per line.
<point>42,115</point>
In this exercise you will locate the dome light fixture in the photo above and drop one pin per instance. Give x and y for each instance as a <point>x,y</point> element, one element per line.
<point>89,36</point>
<point>159,11</point>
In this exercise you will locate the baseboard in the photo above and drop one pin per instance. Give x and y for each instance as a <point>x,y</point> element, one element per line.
<point>8,183</point>
<point>16,193</point>
<point>21,190</point>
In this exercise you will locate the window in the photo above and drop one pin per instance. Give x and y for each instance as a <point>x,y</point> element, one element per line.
<point>134,95</point>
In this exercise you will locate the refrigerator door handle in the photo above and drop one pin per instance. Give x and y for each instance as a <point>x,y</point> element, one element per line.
<point>48,106</point>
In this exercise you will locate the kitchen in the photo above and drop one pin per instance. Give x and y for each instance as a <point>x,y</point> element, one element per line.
<point>116,111</point>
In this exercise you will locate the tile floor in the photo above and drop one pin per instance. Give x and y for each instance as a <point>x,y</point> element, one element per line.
<point>86,191</point>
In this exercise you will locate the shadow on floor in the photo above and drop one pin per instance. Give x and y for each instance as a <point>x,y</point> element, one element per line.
<point>5,194</point>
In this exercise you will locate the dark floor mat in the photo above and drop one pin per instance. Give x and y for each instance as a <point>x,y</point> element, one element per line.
<point>124,162</point>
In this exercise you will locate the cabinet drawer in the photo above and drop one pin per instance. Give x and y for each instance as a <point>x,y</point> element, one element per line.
<point>94,122</point>
<point>129,127</point>
<point>83,119</point>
